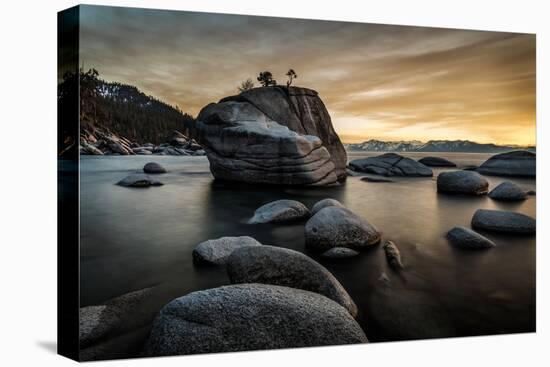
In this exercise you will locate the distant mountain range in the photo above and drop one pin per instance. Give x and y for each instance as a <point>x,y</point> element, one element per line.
<point>465,146</point>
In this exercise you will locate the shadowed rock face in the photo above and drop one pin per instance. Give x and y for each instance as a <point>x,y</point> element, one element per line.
<point>467,239</point>
<point>272,135</point>
<point>391,164</point>
<point>508,191</point>
<point>462,182</point>
<point>518,163</point>
<point>504,221</point>
<point>436,162</point>
<point>250,317</point>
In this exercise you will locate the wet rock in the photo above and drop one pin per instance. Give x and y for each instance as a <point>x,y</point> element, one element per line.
<point>391,164</point>
<point>153,167</point>
<point>340,253</point>
<point>216,252</point>
<point>250,317</point>
<point>325,203</point>
<point>462,182</point>
<point>339,227</point>
<point>436,162</point>
<point>504,221</point>
<point>272,135</point>
<point>467,239</point>
<point>280,211</point>
<point>508,191</point>
<point>139,180</point>
<point>519,163</point>
<point>393,256</point>
<point>289,268</point>
<point>376,179</point>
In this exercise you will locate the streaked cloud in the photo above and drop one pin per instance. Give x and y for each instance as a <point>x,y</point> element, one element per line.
<point>378,81</point>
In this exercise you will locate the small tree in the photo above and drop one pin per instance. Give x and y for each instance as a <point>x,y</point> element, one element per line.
<point>291,75</point>
<point>248,84</point>
<point>266,79</point>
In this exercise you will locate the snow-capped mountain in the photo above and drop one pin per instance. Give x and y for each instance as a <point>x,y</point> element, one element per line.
<point>374,145</point>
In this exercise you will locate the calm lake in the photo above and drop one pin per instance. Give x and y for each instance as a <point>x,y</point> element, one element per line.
<point>133,238</point>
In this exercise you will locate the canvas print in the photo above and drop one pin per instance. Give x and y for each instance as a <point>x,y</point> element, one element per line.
<point>233,183</point>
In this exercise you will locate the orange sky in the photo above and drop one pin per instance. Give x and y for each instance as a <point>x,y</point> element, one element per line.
<point>377,81</point>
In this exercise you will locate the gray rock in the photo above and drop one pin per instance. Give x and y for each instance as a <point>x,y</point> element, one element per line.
<point>143,152</point>
<point>272,135</point>
<point>325,203</point>
<point>280,211</point>
<point>90,149</point>
<point>393,256</point>
<point>139,180</point>
<point>391,164</point>
<point>339,227</point>
<point>117,147</point>
<point>504,221</point>
<point>462,182</point>
<point>376,179</point>
<point>466,238</point>
<point>153,167</point>
<point>340,253</point>
<point>519,163</point>
<point>216,252</point>
<point>250,317</point>
<point>508,191</point>
<point>289,268</point>
<point>177,139</point>
<point>436,162</point>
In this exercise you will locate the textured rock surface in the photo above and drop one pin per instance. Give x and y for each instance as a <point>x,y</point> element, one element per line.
<point>393,255</point>
<point>436,162</point>
<point>250,317</point>
<point>272,135</point>
<point>153,167</point>
<point>466,238</point>
<point>504,221</point>
<point>139,180</point>
<point>216,252</point>
<point>279,211</point>
<point>508,191</point>
<point>391,164</point>
<point>339,227</point>
<point>462,182</point>
<point>289,268</point>
<point>324,203</point>
<point>518,163</point>
<point>339,253</point>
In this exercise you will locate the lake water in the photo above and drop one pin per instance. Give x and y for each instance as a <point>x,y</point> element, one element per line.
<point>135,238</point>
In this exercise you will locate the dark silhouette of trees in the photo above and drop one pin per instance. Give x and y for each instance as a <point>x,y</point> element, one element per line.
<point>246,85</point>
<point>266,79</point>
<point>291,75</point>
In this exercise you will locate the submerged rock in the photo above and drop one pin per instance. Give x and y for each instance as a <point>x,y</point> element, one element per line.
<point>250,317</point>
<point>289,268</point>
<point>462,182</point>
<point>504,221</point>
<point>391,164</point>
<point>272,135</point>
<point>279,211</point>
<point>139,180</point>
<point>508,191</point>
<point>393,256</point>
<point>520,163</point>
<point>340,253</point>
<point>466,238</point>
<point>436,162</point>
<point>376,179</point>
<point>325,203</point>
<point>153,167</point>
<point>339,227</point>
<point>216,252</point>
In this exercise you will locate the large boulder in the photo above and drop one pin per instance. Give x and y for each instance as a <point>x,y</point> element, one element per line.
<point>339,227</point>
<point>279,211</point>
<point>391,164</point>
<point>153,167</point>
<point>508,191</point>
<point>272,135</point>
<point>325,203</point>
<point>250,317</point>
<point>436,162</point>
<point>520,163</point>
<point>462,182</point>
<point>504,221</point>
<point>289,268</point>
<point>216,252</point>
<point>467,239</point>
